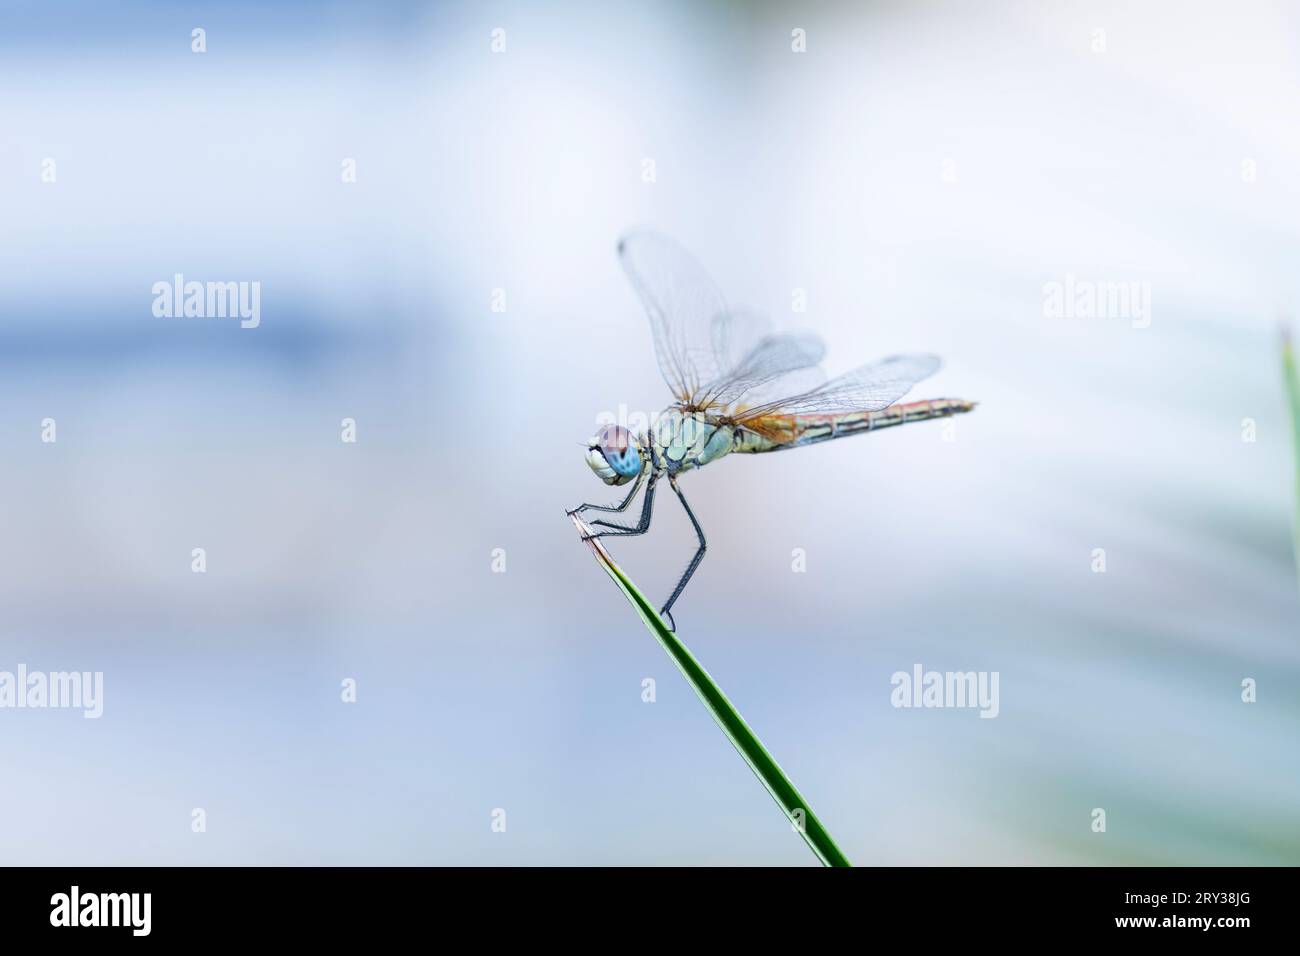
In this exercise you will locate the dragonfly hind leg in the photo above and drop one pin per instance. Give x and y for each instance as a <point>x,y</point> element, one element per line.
<point>666,611</point>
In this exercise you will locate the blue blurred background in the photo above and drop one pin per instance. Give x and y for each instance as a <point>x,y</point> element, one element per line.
<point>921,171</point>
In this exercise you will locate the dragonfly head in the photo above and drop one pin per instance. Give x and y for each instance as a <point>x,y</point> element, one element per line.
<point>614,454</point>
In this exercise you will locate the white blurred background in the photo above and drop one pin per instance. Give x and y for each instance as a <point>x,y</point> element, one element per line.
<point>921,171</point>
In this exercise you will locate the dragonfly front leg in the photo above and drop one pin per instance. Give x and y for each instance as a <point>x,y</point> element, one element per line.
<point>641,527</point>
<point>616,509</point>
<point>695,561</point>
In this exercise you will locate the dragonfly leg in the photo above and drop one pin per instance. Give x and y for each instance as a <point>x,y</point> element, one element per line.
<point>622,530</point>
<point>695,561</point>
<point>585,506</point>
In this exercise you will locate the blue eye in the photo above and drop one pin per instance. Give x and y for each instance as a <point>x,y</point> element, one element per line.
<point>619,449</point>
<point>626,462</point>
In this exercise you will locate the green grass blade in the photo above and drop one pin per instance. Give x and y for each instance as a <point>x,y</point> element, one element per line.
<point>1293,402</point>
<point>727,717</point>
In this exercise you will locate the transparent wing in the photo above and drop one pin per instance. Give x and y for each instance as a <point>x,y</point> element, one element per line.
<point>767,368</point>
<point>712,356</point>
<point>736,333</point>
<point>689,320</point>
<point>773,393</point>
<point>866,389</point>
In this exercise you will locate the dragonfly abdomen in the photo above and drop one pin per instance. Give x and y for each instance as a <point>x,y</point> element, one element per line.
<point>902,414</point>
<point>793,431</point>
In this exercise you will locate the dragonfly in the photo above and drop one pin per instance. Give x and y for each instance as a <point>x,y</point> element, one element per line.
<point>737,388</point>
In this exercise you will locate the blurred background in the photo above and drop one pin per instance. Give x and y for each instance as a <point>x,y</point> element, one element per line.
<point>920,172</point>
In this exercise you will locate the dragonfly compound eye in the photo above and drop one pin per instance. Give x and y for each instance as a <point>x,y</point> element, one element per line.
<point>614,455</point>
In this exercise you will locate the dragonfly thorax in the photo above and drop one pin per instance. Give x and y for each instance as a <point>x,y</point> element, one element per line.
<point>683,440</point>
